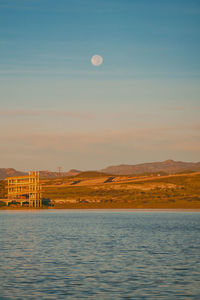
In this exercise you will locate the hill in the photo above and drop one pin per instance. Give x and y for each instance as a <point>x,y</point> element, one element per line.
<point>98,190</point>
<point>90,174</point>
<point>49,174</point>
<point>10,172</point>
<point>167,166</point>
<point>105,191</point>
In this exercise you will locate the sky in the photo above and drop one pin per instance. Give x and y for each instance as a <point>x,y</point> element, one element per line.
<point>141,105</point>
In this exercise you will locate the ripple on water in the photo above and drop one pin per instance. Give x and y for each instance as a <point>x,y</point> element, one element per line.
<point>99,255</point>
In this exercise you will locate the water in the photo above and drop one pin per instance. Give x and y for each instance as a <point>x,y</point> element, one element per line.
<point>99,255</point>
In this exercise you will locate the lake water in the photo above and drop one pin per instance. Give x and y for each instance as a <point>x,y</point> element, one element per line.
<point>99,255</point>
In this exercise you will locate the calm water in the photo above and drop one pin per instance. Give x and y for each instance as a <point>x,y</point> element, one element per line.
<point>99,255</point>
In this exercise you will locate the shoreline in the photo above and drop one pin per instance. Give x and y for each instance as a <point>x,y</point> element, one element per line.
<point>14,209</point>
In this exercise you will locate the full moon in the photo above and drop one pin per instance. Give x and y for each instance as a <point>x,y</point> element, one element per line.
<point>96,60</point>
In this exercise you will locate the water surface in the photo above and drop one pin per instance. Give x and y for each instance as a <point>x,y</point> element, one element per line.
<point>99,255</point>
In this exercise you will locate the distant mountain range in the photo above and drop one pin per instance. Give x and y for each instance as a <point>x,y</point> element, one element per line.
<point>49,174</point>
<point>167,166</point>
<point>9,172</point>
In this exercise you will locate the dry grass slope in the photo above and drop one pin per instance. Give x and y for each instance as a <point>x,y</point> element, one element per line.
<point>99,190</point>
<point>175,191</point>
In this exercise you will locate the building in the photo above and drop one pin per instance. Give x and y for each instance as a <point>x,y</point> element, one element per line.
<point>25,188</point>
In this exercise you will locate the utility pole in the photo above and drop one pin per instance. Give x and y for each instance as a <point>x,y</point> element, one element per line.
<point>59,170</point>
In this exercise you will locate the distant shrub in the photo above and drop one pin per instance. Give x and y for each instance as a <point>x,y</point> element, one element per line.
<point>46,201</point>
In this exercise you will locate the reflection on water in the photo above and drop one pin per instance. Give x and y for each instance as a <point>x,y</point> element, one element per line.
<point>99,255</point>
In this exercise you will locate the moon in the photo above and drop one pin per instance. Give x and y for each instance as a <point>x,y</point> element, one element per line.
<point>96,60</point>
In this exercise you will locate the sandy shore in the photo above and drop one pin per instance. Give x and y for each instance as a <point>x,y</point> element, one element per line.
<point>101,208</point>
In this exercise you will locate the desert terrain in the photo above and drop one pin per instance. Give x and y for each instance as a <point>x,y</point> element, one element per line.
<point>99,190</point>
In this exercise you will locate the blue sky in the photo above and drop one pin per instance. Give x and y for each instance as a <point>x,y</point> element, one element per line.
<point>142,104</point>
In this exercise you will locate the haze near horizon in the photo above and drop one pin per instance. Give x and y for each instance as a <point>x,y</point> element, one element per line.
<point>140,105</point>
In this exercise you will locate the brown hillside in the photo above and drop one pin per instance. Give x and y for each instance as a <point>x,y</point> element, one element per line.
<point>168,166</point>
<point>10,172</point>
